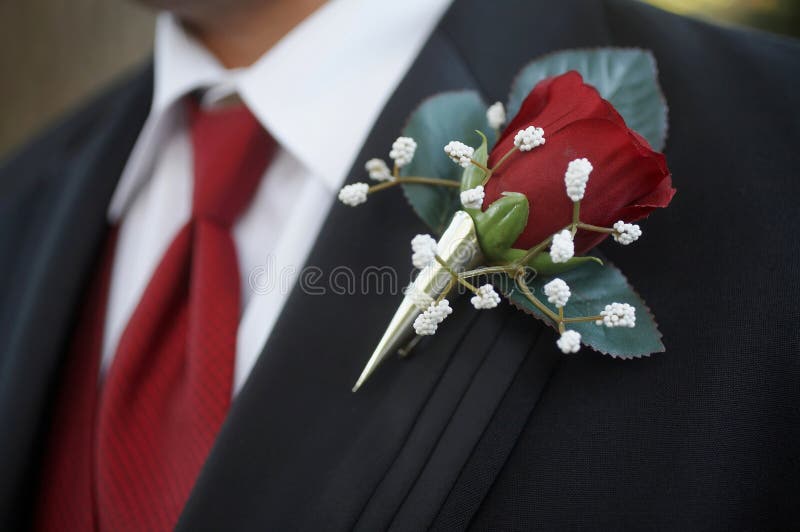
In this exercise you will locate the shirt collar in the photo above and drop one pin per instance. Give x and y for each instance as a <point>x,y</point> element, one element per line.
<point>317,91</point>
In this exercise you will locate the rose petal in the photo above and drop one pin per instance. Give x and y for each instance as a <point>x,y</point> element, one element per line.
<point>628,178</point>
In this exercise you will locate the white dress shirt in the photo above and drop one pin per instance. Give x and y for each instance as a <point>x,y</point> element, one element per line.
<point>318,92</point>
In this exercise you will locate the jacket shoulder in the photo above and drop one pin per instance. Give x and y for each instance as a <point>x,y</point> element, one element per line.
<point>24,168</point>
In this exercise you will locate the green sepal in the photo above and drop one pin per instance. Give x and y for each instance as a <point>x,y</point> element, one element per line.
<point>499,226</point>
<point>474,176</point>
<point>542,264</point>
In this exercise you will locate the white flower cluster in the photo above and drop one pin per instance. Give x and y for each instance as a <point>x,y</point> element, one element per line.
<point>403,151</point>
<point>626,233</point>
<point>459,152</point>
<point>420,299</point>
<point>496,115</point>
<point>529,138</point>
<point>473,197</point>
<point>569,342</point>
<point>378,170</point>
<point>618,315</point>
<point>557,292</point>
<point>424,250</point>
<point>485,298</point>
<point>427,322</point>
<point>576,177</point>
<point>354,194</point>
<point>563,248</point>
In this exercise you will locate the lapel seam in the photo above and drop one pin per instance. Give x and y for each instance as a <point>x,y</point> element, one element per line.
<point>410,431</point>
<point>450,41</point>
<point>548,383</point>
<point>449,420</point>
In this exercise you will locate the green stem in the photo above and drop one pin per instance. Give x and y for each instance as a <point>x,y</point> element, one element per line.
<point>489,270</point>
<point>535,250</point>
<point>481,166</point>
<point>414,180</point>
<point>520,280</point>
<point>582,319</point>
<point>504,157</point>
<point>454,275</point>
<point>447,289</point>
<point>595,228</point>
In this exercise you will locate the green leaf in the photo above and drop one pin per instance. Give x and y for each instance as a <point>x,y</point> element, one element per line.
<point>592,289</point>
<point>626,77</point>
<point>499,226</point>
<point>438,120</point>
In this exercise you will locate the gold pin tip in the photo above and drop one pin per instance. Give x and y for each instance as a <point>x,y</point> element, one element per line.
<point>365,374</point>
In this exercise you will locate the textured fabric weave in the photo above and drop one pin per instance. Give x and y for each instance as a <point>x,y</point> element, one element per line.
<point>169,388</point>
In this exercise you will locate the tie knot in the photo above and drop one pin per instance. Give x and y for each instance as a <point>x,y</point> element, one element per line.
<point>231,151</point>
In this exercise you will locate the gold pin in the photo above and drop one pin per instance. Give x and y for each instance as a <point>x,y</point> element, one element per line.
<point>460,250</point>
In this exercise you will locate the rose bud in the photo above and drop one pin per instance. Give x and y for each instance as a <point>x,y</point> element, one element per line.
<point>629,179</point>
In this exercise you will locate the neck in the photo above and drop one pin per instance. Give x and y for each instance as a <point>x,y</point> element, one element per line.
<point>239,35</point>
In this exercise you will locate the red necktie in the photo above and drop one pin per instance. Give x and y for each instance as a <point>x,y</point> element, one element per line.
<point>168,389</point>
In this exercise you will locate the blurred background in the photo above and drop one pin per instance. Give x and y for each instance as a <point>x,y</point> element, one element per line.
<point>55,53</point>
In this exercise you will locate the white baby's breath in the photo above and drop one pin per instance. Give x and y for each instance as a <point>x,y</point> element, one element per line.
<point>496,115</point>
<point>626,233</point>
<point>427,322</point>
<point>562,249</point>
<point>403,151</point>
<point>459,152</point>
<point>485,298</point>
<point>618,315</point>
<point>529,138</point>
<point>557,292</point>
<point>424,250</point>
<point>420,299</point>
<point>378,170</point>
<point>473,197</point>
<point>576,177</point>
<point>569,342</point>
<point>354,194</point>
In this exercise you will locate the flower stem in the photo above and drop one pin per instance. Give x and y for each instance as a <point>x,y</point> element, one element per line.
<point>446,291</point>
<point>481,166</point>
<point>595,228</point>
<point>454,275</point>
<point>535,250</point>
<point>504,157</point>
<point>520,280</point>
<point>582,319</point>
<point>490,270</point>
<point>414,180</point>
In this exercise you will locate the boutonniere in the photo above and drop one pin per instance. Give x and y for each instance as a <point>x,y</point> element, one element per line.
<point>519,205</point>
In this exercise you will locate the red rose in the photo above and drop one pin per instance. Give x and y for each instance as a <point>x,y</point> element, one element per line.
<point>629,179</point>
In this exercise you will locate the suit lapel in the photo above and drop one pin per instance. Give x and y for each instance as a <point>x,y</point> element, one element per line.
<point>299,450</point>
<point>66,226</point>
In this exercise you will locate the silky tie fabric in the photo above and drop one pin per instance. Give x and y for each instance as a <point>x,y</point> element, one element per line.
<point>169,387</point>
<point>166,394</point>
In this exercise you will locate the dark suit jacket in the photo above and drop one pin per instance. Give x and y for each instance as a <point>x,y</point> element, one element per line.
<point>487,426</point>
